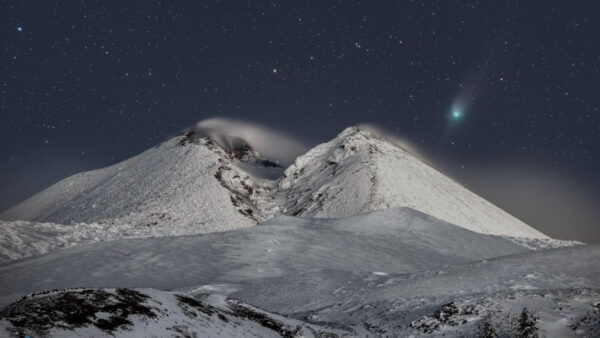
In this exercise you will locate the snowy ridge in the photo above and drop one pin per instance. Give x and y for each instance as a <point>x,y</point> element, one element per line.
<point>542,243</point>
<point>359,172</point>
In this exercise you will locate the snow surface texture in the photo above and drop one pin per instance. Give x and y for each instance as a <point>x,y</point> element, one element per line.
<point>388,272</point>
<point>541,243</point>
<point>145,313</point>
<point>397,240</point>
<point>204,184</point>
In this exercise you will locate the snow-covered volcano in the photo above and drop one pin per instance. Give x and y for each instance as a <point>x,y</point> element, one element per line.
<point>358,237</point>
<point>359,171</point>
<point>208,181</point>
<point>189,181</point>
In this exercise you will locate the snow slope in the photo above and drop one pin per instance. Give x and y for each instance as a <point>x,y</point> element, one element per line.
<point>359,171</point>
<point>562,286</point>
<point>392,241</point>
<point>145,313</point>
<point>179,183</point>
<point>385,272</point>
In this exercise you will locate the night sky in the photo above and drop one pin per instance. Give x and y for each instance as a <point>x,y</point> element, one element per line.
<point>502,95</point>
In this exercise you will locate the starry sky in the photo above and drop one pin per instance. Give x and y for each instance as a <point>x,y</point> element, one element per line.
<point>503,96</point>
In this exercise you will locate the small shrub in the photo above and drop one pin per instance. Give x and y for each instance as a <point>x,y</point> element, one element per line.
<point>486,330</point>
<point>527,325</point>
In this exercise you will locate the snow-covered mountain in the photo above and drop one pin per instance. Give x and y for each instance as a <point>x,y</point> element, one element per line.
<point>205,182</point>
<point>359,171</point>
<point>185,182</point>
<point>357,238</point>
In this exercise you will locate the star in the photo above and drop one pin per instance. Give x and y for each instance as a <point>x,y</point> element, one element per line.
<point>275,70</point>
<point>19,29</point>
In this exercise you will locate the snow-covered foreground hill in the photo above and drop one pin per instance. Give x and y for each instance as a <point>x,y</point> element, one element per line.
<point>127,312</point>
<point>388,272</point>
<point>146,313</point>
<point>393,241</point>
<point>197,184</point>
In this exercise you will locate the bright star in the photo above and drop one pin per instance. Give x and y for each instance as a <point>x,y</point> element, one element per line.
<point>19,29</point>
